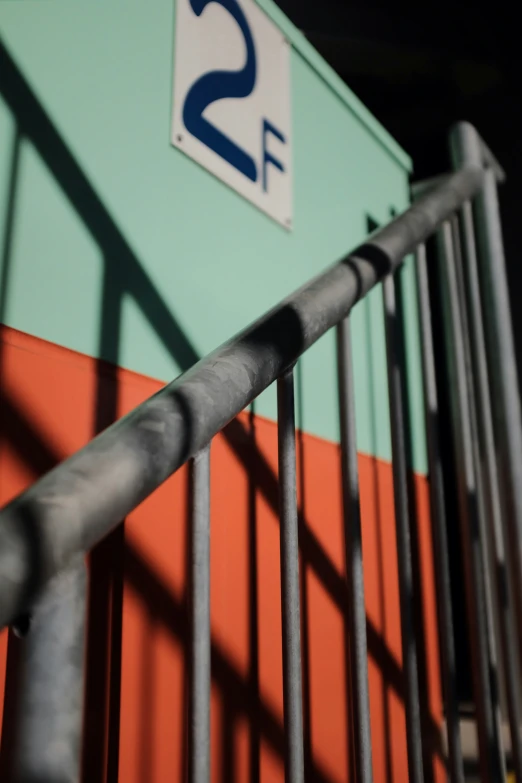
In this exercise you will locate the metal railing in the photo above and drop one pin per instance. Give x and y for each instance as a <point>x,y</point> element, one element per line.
<point>45,532</point>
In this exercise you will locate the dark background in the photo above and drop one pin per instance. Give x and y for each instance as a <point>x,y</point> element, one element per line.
<point>423,68</point>
<point>419,69</point>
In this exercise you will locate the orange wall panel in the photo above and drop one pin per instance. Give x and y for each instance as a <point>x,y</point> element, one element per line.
<point>53,402</point>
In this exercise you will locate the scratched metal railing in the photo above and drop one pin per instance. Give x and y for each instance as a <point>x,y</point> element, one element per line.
<point>45,532</point>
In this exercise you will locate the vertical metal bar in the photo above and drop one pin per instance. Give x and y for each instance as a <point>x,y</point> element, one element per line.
<point>468,511</point>
<point>199,739</point>
<point>292,683</point>
<point>438,514</point>
<point>354,562</point>
<point>50,706</point>
<point>506,617</point>
<point>483,537</point>
<point>466,149</point>
<point>400,491</point>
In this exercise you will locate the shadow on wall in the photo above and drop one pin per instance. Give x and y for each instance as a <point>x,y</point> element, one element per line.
<point>115,559</point>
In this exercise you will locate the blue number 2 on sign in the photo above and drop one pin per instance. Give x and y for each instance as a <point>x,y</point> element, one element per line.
<point>214,86</point>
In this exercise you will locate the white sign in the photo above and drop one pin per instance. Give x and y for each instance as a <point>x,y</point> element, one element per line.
<point>232,99</point>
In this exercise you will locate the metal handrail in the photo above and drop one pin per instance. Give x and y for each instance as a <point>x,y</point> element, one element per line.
<point>81,500</point>
<point>45,531</point>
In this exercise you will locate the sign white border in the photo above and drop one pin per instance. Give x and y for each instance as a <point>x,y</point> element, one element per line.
<point>232,99</point>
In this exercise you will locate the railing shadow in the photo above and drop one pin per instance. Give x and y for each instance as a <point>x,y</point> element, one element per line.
<point>124,275</point>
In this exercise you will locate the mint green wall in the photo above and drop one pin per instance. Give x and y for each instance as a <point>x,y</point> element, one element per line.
<point>103,73</point>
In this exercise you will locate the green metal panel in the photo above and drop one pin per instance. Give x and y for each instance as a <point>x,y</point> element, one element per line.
<point>160,226</point>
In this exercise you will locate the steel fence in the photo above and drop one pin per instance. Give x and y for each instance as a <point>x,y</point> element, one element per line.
<point>45,532</point>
